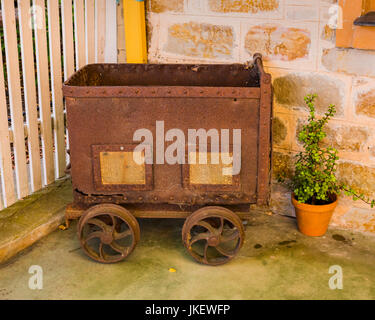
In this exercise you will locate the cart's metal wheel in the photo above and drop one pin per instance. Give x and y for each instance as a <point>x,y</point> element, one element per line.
<point>213,235</point>
<point>108,233</point>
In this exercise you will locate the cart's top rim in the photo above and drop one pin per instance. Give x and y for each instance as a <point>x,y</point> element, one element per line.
<point>164,80</point>
<point>131,74</point>
<point>161,92</point>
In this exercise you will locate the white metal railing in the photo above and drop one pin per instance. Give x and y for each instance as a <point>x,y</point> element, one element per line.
<point>45,42</point>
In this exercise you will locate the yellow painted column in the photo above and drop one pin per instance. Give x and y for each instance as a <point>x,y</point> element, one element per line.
<point>135,31</point>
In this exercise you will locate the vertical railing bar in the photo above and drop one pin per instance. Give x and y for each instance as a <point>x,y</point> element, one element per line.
<point>28,67</point>
<point>15,98</point>
<point>68,45</point>
<point>100,29</point>
<point>44,93</point>
<point>90,30</point>
<point>110,51</point>
<point>56,85</point>
<point>121,57</point>
<point>79,27</point>
<point>6,171</point>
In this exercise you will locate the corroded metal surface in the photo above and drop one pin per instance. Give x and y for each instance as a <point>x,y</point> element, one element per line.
<point>108,233</point>
<point>114,187</point>
<point>157,92</point>
<point>265,137</point>
<point>164,75</point>
<point>112,122</point>
<point>213,235</point>
<point>148,210</point>
<point>107,103</point>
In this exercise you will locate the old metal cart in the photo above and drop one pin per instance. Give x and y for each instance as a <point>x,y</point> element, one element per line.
<point>107,103</point>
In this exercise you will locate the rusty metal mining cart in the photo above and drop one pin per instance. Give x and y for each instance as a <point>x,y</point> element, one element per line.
<point>107,103</point>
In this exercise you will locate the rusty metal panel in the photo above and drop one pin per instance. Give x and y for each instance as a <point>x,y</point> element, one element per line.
<point>120,168</point>
<point>164,75</point>
<point>210,173</point>
<point>107,103</point>
<point>115,169</point>
<point>209,176</point>
<point>265,137</point>
<point>75,211</point>
<point>158,92</point>
<point>128,115</point>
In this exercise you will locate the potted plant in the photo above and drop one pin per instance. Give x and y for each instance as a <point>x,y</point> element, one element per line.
<point>314,184</point>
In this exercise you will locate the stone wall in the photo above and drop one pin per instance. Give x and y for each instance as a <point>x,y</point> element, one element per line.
<point>299,51</point>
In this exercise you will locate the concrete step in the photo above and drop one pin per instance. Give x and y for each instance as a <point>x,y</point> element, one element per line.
<point>32,218</point>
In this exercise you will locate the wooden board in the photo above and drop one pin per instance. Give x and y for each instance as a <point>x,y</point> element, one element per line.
<point>44,96</point>
<point>121,56</point>
<point>6,172</point>
<point>110,52</point>
<point>90,27</point>
<point>100,29</point>
<point>28,68</point>
<point>15,99</point>
<point>68,46</point>
<point>56,82</point>
<point>79,28</point>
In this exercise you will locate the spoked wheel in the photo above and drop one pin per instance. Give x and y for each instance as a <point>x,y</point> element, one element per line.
<point>213,235</point>
<point>108,233</point>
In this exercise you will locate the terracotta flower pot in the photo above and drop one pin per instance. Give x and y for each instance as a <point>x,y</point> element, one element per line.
<point>313,220</point>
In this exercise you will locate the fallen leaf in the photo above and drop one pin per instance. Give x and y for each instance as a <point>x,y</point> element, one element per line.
<point>172,270</point>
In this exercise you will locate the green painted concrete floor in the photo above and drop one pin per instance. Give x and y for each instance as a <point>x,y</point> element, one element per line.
<point>276,262</point>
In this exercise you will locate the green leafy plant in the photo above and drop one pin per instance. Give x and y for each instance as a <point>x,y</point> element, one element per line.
<point>314,180</point>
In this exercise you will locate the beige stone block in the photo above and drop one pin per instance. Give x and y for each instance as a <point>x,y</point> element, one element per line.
<point>357,219</point>
<point>282,165</point>
<point>292,45</point>
<point>290,90</point>
<point>365,103</point>
<point>302,13</point>
<point>310,3</point>
<point>360,177</point>
<point>347,138</point>
<point>279,130</point>
<point>283,131</point>
<point>152,29</point>
<point>353,142</point>
<point>243,6</point>
<point>196,7</point>
<point>200,40</point>
<point>349,61</point>
<point>277,41</point>
<point>343,137</point>
<point>159,6</point>
<point>361,81</point>
<point>193,39</point>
